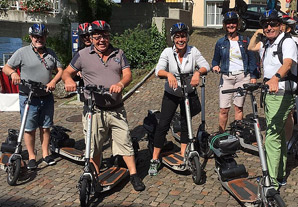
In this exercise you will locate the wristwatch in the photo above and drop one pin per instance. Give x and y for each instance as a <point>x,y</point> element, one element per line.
<point>278,75</point>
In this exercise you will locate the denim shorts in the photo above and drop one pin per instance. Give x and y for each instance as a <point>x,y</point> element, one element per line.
<point>40,114</point>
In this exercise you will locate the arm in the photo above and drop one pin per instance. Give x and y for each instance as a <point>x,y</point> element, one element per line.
<point>216,59</point>
<point>171,78</point>
<point>126,79</point>
<point>283,70</point>
<point>203,68</point>
<point>67,76</point>
<point>11,73</point>
<point>52,84</point>
<point>255,42</point>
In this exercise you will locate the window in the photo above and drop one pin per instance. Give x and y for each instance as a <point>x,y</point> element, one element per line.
<point>214,17</point>
<point>252,8</point>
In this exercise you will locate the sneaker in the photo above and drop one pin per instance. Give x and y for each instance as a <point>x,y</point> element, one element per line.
<point>137,183</point>
<point>282,182</point>
<point>154,166</point>
<point>32,164</point>
<point>49,160</point>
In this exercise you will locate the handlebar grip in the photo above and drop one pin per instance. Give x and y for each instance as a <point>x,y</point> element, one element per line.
<point>230,91</point>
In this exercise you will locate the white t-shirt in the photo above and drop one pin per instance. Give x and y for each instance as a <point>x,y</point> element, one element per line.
<point>271,63</point>
<point>236,62</point>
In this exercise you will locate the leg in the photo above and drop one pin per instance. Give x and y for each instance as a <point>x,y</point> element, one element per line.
<point>45,141</point>
<point>277,110</point>
<point>238,113</point>
<point>223,119</point>
<point>289,125</point>
<point>131,164</point>
<point>29,138</point>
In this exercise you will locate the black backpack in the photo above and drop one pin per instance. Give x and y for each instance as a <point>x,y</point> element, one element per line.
<point>59,137</point>
<point>290,75</point>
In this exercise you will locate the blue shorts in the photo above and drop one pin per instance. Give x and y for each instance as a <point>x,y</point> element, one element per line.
<point>41,112</point>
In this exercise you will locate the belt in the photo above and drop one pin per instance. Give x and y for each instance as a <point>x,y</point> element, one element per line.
<point>34,96</point>
<point>106,108</point>
<point>236,72</point>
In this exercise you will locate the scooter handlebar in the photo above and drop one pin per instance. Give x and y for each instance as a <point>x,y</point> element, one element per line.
<point>33,84</point>
<point>233,90</point>
<point>246,87</point>
<point>94,88</point>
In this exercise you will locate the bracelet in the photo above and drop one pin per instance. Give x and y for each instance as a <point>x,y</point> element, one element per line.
<point>11,74</point>
<point>122,85</point>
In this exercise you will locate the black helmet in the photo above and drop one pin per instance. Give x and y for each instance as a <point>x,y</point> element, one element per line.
<point>83,28</point>
<point>38,30</point>
<point>99,25</point>
<point>270,15</point>
<point>231,15</point>
<point>179,27</point>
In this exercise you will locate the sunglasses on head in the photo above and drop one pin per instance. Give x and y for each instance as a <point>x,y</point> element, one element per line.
<point>271,23</point>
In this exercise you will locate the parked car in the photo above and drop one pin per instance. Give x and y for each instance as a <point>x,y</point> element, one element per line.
<point>250,19</point>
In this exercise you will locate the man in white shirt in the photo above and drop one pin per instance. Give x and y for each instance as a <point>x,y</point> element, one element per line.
<point>280,99</point>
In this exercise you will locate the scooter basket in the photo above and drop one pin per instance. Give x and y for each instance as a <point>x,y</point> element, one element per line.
<point>11,141</point>
<point>229,169</point>
<point>59,137</point>
<point>225,144</point>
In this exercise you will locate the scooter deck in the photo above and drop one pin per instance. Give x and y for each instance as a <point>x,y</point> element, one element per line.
<point>244,189</point>
<point>4,160</point>
<point>71,153</point>
<point>111,177</point>
<point>174,160</point>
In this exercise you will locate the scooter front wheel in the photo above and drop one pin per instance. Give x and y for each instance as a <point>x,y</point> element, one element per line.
<point>85,192</point>
<point>275,201</point>
<point>13,171</point>
<point>196,169</point>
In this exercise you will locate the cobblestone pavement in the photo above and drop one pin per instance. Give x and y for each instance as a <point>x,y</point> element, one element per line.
<point>56,185</point>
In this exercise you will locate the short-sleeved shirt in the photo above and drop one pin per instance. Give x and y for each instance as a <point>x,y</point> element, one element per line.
<point>33,67</point>
<point>96,71</point>
<point>192,60</point>
<point>271,63</point>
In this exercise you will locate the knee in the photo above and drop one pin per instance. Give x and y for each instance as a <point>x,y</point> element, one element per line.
<point>224,111</point>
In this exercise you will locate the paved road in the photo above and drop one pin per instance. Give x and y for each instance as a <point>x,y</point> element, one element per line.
<point>56,185</point>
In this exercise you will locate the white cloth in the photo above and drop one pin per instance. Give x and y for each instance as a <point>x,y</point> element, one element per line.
<point>271,63</point>
<point>192,59</point>
<point>9,102</point>
<point>236,62</point>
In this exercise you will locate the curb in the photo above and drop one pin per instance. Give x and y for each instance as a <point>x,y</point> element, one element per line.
<point>131,91</point>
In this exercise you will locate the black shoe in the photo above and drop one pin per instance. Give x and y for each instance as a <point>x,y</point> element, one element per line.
<point>49,160</point>
<point>137,183</point>
<point>32,164</point>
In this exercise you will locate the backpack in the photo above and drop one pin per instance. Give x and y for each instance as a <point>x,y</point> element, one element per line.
<point>290,75</point>
<point>59,137</point>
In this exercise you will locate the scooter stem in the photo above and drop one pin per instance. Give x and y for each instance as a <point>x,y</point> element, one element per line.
<point>262,155</point>
<point>89,128</point>
<point>203,103</point>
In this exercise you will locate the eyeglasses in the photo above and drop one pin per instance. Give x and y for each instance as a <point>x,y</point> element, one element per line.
<point>99,37</point>
<point>271,23</point>
<point>85,36</point>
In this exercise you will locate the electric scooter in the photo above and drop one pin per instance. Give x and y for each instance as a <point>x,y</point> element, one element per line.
<point>11,150</point>
<point>202,135</point>
<point>90,182</point>
<point>190,161</point>
<point>233,176</point>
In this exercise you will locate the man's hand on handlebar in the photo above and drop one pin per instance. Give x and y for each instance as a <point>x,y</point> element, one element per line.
<point>70,85</point>
<point>273,84</point>
<point>116,88</point>
<point>51,86</point>
<point>172,81</point>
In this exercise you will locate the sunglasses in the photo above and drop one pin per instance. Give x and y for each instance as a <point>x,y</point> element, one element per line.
<point>271,23</point>
<point>232,22</point>
<point>85,36</point>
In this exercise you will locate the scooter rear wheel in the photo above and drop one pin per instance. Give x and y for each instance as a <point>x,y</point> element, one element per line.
<point>196,170</point>
<point>275,201</point>
<point>13,171</point>
<point>85,192</point>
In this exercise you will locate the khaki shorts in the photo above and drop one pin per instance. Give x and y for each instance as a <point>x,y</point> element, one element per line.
<point>109,124</point>
<point>229,82</point>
